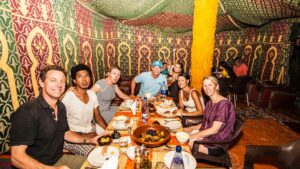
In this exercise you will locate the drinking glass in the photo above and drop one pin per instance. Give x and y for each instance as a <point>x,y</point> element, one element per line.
<point>123,143</point>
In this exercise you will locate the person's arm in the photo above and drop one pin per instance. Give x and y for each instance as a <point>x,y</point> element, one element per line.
<point>133,84</point>
<point>191,128</point>
<point>195,97</point>
<point>180,104</point>
<point>96,88</point>
<point>20,159</point>
<point>73,137</point>
<point>214,129</point>
<point>121,94</point>
<point>99,119</point>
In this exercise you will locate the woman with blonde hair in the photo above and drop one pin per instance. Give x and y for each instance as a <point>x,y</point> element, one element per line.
<point>218,119</point>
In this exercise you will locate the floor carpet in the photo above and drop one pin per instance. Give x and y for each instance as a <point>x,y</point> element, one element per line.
<point>255,112</point>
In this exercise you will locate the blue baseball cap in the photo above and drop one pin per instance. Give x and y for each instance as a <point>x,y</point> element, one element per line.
<point>157,63</point>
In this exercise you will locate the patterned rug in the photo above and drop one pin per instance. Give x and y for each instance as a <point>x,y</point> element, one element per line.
<point>255,112</point>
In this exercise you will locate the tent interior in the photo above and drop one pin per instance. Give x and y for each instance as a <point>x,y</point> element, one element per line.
<point>134,33</point>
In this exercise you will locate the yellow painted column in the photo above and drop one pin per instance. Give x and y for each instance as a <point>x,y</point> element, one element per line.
<point>205,15</point>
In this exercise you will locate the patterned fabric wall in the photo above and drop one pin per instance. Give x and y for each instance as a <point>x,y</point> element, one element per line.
<point>265,50</point>
<point>65,33</point>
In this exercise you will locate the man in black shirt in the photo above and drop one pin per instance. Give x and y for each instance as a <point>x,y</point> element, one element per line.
<point>39,127</point>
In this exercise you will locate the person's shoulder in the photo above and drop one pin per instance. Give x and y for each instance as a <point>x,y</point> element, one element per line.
<point>91,93</point>
<point>28,107</point>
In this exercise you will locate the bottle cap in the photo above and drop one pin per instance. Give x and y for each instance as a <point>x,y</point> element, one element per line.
<point>178,148</point>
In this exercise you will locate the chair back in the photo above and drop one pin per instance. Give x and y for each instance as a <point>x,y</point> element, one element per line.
<point>238,127</point>
<point>287,156</point>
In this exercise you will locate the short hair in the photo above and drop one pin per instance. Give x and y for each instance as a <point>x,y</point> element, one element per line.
<point>113,67</point>
<point>78,68</point>
<point>45,70</point>
<point>212,78</point>
<point>238,59</point>
<point>181,66</point>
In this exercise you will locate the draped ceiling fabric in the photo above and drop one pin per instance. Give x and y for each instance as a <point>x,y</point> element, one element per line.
<point>131,34</point>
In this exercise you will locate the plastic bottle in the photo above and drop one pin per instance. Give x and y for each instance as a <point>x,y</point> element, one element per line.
<point>163,90</point>
<point>145,111</point>
<point>177,161</point>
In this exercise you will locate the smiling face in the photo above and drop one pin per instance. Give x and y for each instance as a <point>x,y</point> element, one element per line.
<point>177,68</point>
<point>114,76</point>
<point>54,84</point>
<point>182,82</point>
<point>83,79</point>
<point>210,87</point>
<point>156,71</point>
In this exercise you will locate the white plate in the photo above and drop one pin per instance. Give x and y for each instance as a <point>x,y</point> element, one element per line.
<point>127,103</point>
<point>96,158</point>
<point>167,112</point>
<point>130,152</point>
<point>173,125</point>
<point>121,126</point>
<point>188,160</point>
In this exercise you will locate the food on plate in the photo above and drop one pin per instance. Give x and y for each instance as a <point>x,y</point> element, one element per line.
<point>103,140</point>
<point>127,121</point>
<point>170,112</point>
<point>152,136</point>
<point>104,150</point>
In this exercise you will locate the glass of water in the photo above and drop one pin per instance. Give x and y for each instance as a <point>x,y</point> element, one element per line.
<point>123,143</point>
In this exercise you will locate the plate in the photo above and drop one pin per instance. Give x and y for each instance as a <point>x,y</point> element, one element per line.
<point>130,152</point>
<point>104,140</point>
<point>188,160</point>
<point>169,113</point>
<point>171,123</point>
<point>119,123</point>
<point>97,159</point>
<point>127,103</point>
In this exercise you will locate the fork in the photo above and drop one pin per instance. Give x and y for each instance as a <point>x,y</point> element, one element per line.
<point>169,120</point>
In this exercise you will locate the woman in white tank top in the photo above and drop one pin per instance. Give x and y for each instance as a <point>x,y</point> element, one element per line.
<point>189,99</point>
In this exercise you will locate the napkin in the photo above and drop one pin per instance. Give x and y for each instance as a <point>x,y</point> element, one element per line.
<point>111,163</point>
<point>133,108</point>
<point>123,138</point>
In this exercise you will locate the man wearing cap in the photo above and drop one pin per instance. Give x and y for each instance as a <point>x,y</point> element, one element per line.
<point>151,81</point>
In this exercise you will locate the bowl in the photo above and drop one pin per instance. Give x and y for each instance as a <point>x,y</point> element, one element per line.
<point>127,103</point>
<point>130,152</point>
<point>168,102</point>
<point>182,137</point>
<point>104,140</point>
<point>158,128</point>
<point>120,119</point>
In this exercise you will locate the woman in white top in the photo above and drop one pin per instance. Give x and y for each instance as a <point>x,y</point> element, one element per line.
<point>82,108</point>
<point>189,99</point>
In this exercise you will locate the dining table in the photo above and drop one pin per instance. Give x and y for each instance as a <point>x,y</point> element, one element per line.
<point>156,154</point>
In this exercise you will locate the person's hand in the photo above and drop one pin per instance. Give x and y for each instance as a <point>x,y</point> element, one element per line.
<point>62,167</point>
<point>94,140</point>
<point>188,129</point>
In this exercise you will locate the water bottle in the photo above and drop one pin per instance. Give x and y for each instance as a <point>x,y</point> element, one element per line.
<point>145,111</point>
<point>177,161</point>
<point>164,90</point>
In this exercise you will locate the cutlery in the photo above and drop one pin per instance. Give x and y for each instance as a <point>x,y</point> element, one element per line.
<point>166,121</point>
